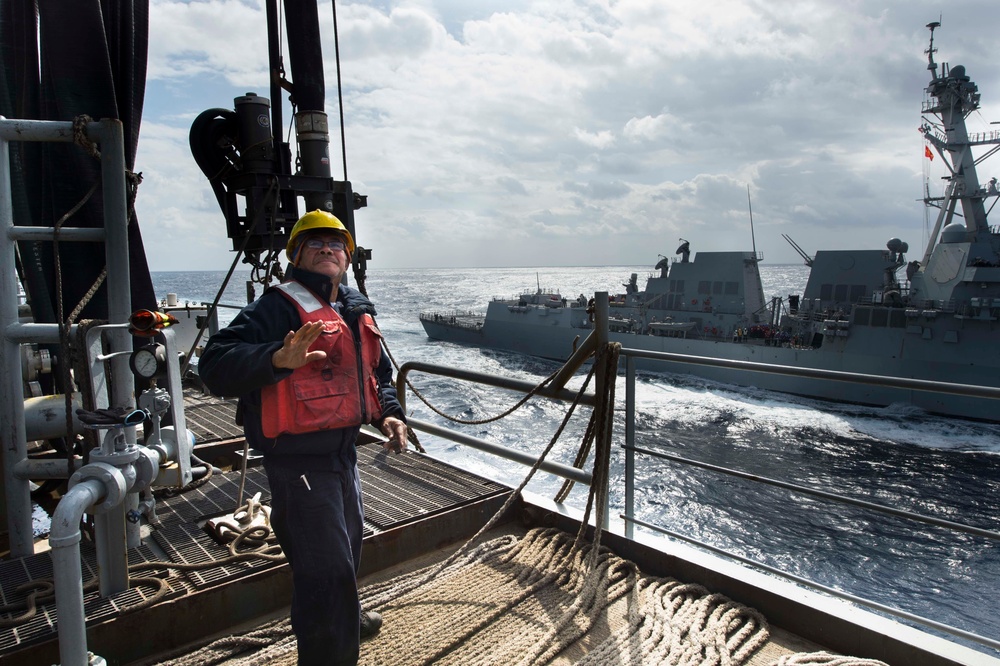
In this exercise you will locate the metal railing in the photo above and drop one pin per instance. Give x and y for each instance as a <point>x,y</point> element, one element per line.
<point>505,452</point>
<point>632,450</point>
<point>114,236</point>
<point>897,382</point>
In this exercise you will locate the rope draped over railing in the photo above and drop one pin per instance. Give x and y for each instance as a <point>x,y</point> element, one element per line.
<point>610,362</point>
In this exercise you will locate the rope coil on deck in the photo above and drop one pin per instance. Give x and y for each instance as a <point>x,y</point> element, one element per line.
<point>824,659</point>
<point>545,592</point>
<point>525,601</point>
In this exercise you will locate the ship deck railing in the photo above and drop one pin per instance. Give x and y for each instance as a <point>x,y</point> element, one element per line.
<point>822,313</point>
<point>469,320</point>
<point>635,453</point>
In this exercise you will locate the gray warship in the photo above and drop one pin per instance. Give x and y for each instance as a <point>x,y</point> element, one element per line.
<point>862,311</point>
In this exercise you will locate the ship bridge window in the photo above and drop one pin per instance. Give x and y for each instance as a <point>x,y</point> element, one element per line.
<point>732,288</point>
<point>862,316</point>
<point>897,318</point>
<point>826,292</point>
<point>840,293</point>
<point>717,288</point>
<point>677,286</point>
<point>704,287</point>
<point>880,316</point>
<point>858,292</point>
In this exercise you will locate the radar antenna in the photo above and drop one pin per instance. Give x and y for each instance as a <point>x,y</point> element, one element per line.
<point>684,250</point>
<point>931,65</point>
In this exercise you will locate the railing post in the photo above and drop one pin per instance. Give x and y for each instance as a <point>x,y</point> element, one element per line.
<point>601,379</point>
<point>629,446</point>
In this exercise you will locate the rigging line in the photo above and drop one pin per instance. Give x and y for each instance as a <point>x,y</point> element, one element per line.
<point>432,571</point>
<point>81,139</point>
<point>483,421</point>
<point>340,92</point>
<point>989,153</point>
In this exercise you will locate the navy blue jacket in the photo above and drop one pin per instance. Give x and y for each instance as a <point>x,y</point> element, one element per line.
<point>237,363</point>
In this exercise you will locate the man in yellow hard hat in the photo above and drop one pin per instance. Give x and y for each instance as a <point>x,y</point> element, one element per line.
<point>307,363</point>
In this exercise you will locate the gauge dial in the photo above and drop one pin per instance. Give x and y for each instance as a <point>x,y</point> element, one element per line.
<point>144,362</point>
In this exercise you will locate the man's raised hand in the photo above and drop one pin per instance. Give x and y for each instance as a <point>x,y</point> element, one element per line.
<point>294,352</point>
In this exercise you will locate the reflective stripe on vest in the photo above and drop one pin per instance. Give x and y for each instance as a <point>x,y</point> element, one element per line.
<point>327,394</point>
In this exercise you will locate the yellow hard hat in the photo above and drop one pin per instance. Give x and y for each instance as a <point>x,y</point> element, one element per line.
<point>317,219</point>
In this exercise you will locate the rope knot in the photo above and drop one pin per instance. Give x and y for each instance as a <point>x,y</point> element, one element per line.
<point>80,137</point>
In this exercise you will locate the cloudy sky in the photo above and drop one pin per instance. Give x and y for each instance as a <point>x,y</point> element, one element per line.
<point>576,132</point>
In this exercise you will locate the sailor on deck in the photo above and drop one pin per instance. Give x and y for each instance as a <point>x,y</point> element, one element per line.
<point>312,336</point>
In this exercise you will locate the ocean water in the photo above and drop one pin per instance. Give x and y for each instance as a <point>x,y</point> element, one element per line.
<point>897,456</point>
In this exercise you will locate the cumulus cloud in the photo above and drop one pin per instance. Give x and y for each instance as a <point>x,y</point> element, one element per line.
<point>635,121</point>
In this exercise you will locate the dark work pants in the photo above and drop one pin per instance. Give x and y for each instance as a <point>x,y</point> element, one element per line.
<point>319,528</point>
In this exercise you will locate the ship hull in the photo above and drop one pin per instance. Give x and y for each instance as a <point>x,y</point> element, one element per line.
<point>916,351</point>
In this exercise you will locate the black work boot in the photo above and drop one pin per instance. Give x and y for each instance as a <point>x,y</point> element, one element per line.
<point>371,623</point>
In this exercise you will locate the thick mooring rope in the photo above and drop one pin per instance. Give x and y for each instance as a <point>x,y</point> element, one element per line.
<point>824,659</point>
<point>502,602</point>
<point>525,601</point>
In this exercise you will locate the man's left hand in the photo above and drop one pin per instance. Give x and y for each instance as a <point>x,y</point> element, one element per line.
<point>395,430</point>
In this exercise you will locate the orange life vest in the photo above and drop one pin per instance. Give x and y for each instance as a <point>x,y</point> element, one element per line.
<point>327,394</point>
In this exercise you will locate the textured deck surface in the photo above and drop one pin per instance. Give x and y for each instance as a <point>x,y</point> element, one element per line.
<point>397,489</point>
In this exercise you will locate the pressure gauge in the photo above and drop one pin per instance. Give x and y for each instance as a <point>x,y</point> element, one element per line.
<point>144,362</point>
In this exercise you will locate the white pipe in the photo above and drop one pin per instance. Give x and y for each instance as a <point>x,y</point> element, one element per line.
<point>67,571</point>
<point>32,469</point>
<point>45,417</point>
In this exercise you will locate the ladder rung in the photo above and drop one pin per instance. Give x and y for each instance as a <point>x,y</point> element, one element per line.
<point>26,233</point>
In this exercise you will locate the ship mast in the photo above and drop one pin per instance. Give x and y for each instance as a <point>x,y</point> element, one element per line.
<point>959,265</point>
<point>952,96</point>
<point>753,239</point>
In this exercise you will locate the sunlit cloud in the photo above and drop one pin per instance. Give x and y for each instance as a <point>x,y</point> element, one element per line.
<point>474,126</point>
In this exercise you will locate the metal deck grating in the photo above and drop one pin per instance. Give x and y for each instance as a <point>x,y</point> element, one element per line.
<point>397,490</point>
<point>187,543</point>
<point>211,419</point>
<point>216,497</point>
<point>41,627</point>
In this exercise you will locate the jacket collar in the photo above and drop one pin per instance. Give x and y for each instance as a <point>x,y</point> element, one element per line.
<point>353,302</point>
